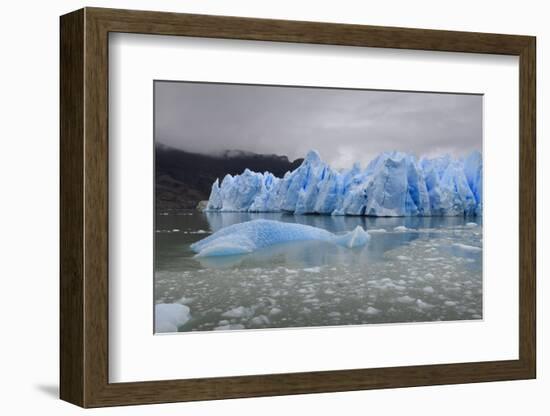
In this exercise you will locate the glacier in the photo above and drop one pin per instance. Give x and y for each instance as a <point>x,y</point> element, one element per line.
<point>394,184</point>
<point>246,237</point>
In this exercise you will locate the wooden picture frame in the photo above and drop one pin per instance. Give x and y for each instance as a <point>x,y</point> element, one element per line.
<point>84,207</point>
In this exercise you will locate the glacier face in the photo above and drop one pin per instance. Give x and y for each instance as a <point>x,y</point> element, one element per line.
<point>394,184</point>
<point>246,237</point>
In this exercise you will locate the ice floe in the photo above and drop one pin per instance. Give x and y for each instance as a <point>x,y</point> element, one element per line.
<point>229,327</point>
<point>238,312</point>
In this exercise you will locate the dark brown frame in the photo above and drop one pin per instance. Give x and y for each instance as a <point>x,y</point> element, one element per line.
<point>84,211</point>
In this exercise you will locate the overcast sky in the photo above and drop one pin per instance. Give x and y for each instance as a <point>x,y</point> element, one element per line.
<point>343,125</point>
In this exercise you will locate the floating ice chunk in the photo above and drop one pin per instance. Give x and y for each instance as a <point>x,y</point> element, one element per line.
<point>312,269</point>
<point>185,300</point>
<point>405,299</point>
<point>377,230</point>
<point>170,316</point>
<point>428,289</point>
<point>356,238</point>
<point>229,327</point>
<point>450,303</point>
<point>275,311</point>
<point>403,258</point>
<point>468,248</point>
<point>253,235</point>
<point>423,305</point>
<point>260,320</point>
<point>400,228</point>
<point>372,311</point>
<point>471,224</point>
<point>238,312</point>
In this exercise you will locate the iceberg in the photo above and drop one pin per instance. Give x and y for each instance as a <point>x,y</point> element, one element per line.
<point>253,235</point>
<point>394,184</point>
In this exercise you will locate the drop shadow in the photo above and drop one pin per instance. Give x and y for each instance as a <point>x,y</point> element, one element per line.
<point>51,390</point>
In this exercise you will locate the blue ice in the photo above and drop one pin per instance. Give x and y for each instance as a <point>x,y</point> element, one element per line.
<point>253,235</point>
<point>394,184</point>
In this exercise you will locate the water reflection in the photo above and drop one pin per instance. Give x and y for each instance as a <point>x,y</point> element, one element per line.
<point>429,269</point>
<point>219,220</point>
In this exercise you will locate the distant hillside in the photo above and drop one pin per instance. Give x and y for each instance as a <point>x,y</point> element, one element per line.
<point>182,179</point>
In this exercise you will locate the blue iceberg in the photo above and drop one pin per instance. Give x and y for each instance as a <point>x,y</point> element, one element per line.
<point>394,184</point>
<point>253,235</point>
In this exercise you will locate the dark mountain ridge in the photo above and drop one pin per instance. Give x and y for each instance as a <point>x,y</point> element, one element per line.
<point>182,179</point>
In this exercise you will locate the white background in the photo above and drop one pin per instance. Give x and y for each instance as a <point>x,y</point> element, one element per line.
<point>138,59</point>
<point>29,213</point>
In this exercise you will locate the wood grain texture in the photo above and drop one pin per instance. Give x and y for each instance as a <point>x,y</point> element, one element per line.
<point>84,207</point>
<point>71,100</point>
<point>528,208</point>
<point>96,219</point>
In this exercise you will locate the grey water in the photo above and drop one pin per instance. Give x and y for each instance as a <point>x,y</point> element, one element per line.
<point>413,269</point>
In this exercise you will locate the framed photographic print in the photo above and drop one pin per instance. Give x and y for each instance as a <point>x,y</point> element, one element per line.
<point>255,207</point>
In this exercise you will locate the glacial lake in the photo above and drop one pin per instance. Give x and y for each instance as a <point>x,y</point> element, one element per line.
<point>412,270</point>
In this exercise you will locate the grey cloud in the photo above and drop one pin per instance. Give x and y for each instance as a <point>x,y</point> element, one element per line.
<point>343,125</point>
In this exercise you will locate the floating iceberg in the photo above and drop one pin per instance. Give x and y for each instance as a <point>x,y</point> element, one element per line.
<point>394,184</point>
<point>253,235</point>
